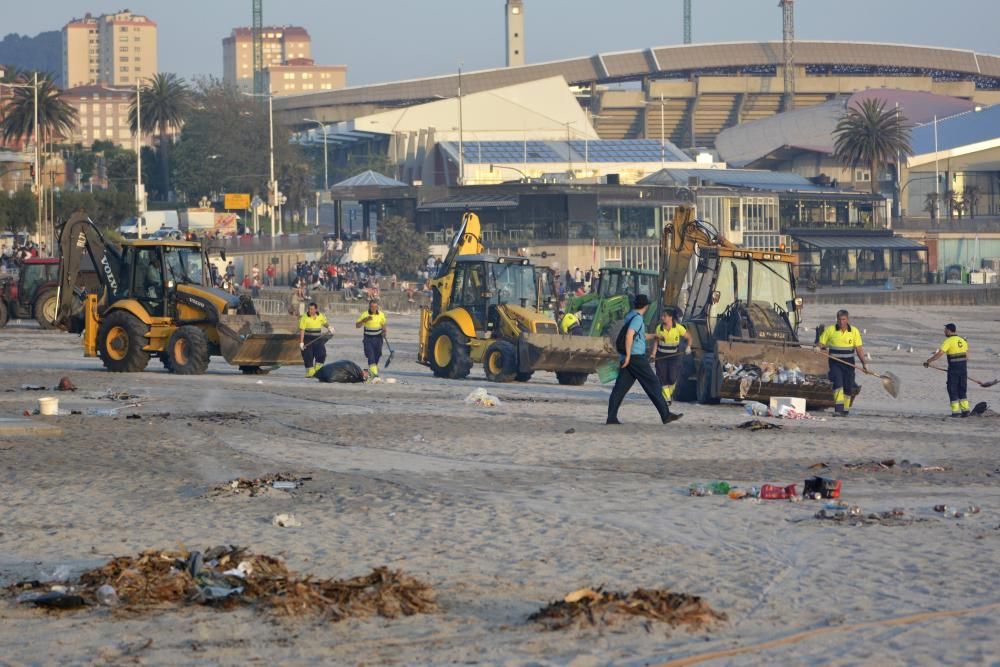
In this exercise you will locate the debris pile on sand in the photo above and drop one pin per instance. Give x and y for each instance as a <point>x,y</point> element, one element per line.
<point>592,607</point>
<point>258,485</point>
<point>228,577</point>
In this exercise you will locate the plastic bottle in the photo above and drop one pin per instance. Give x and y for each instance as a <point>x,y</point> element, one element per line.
<point>107,596</point>
<point>719,488</point>
<point>757,409</point>
<point>699,490</point>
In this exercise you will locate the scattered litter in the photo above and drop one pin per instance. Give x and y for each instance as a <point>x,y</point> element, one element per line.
<point>480,398</point>
<point>391,380</point>
<point>777,492</point>
<point>855,516</point>
<point>285,521</point>
<point>102,412</point>
<point>873,466</point>
<point>821,487</point>
<point>107,595</point>
<point>569,431</point>
<point>61,573</point>
<point>757,409</point>
<point>888,464</point>
<point>957,513</point>
<point>154,579</point>
<point>769,373</point>
<point>709,489</point>
<point>118,395</point>
<point>65,384</point>
<point>819,465</point>
<point>758,425</point>
<point>257,485</point>
<point>33,387</point>
<point>596,607</point>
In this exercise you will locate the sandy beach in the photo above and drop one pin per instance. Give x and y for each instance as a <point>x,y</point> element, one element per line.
<point>505,509</point>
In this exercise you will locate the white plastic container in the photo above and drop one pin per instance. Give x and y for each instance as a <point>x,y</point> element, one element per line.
<point>797,404</point>
<point>48,405</point>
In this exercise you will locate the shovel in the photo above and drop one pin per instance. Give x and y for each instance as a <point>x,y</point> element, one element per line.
<point>981,384</point>
<point>889,380</point>
<point>391,351</point>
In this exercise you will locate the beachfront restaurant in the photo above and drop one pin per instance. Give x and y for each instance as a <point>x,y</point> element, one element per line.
<point>860,258</point>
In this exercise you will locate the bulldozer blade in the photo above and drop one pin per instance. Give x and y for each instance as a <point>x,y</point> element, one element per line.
<point>251,340</point>
<point>568,354</point>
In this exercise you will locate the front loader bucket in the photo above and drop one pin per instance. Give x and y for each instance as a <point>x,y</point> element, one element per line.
<point>758,370</point>
<point>568,354</point>
<point>250,340</point>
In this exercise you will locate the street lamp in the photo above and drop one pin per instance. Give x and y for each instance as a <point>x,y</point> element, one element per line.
<point>326,169</point>
<point>38,164</point>
<point>140,191</point>
<point>272,186</point>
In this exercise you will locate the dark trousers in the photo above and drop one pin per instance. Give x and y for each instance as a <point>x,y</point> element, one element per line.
<point>373,349</point>
<point>958,380</point>
<point>638,369</point>
<point>841,376</point>
<point>315,353</point>
<point>668,369</point>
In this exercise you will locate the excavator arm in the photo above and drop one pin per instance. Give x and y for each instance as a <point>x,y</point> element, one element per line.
<point>679,242</point>
<point>80,234</point>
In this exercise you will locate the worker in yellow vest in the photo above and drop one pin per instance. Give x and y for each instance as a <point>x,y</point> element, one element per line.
<point>569,325</point>
<point>373,322</point>
<point>840,341</point>
<point>311,343</point>
<point>667,353</point>
<point>957,349</point>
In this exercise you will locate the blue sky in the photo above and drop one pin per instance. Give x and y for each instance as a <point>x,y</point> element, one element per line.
<point>388,40</point>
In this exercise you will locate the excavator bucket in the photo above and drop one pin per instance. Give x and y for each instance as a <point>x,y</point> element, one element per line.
<point>569,354</point>
<point>758,370</point>
<point>250,340</point>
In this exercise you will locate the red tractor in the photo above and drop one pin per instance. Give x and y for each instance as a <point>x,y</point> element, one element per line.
<point>32,293</point>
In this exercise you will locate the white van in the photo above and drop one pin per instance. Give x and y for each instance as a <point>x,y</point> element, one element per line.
<point>149,222</point>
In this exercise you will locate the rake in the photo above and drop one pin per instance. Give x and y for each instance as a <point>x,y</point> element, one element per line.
<point>889,380</point>
<point>981,384</point>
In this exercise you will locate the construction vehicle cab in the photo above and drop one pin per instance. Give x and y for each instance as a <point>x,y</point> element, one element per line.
<point>157,299</point>
<point>611,301</point>
<point>490,309</point>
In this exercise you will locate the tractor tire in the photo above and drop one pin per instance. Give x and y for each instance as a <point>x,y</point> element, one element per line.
<point>46,307</point>
<point>120,340</point>
<point>686,390</point>
<point>572,379</point>
<point>3,314</point>
<point>500,362</point>
<point>449,351</point>
<point>704,385</point>
<point>165,360</point>
<point>524,377</point>
<point>254,370</point>
<point>188,350</point>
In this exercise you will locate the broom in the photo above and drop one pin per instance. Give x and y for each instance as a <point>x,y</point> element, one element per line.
<point>989,383</point>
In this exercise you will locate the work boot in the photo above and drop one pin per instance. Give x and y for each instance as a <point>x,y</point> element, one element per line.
<point>311,372</point>
<point>965,413</point>
<point>956,415</point>
<point>612,421</point>
<point>672,417</point>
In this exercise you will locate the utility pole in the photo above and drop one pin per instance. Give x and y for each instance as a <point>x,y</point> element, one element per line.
<point>788,42</point>
<point>687,21</point>
<point>461,142</point>
<point>139,199</point>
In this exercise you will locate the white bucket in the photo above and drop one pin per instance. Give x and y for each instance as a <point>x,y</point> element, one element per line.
<point>48,406</point>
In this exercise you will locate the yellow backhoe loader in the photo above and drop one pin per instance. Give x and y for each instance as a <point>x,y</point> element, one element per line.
<point>490,309</point>
<point>743,315</point>
<point>157,299</point>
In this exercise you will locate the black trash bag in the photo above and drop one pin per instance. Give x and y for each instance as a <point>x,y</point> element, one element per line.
<point>340,371</point>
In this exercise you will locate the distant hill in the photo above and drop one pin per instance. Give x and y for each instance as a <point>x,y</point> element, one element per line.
<point>43,52</point>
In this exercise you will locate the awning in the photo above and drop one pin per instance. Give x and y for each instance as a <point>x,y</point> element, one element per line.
<point>472,202</point>
<point>859,242</point>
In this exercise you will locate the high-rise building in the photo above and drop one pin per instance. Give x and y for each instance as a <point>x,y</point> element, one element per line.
<point>302,75</point>
<point>112,49</point>
<point>280,44</point>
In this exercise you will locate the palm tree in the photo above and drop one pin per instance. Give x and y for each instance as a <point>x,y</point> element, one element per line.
<point>953,199</point>
<point>165,103</point>
<point>970,199</point>
<point>870,135</point>
<point>931,201</point>
<point>55,115</point>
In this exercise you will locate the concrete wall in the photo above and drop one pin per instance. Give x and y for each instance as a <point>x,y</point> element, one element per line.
<point>959,295</point>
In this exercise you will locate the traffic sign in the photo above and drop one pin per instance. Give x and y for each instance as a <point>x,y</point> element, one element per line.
<point>237,201</point>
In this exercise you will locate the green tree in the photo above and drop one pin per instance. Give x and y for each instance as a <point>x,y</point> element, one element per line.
<point>55,115</point>
<point>166,103</point>
<point>931,201</point>
<point>403,249</point>
<point>18,211</point>
<point>224,148</point>
<point>107,208</point>
<point>970,199</point>
<point>872,136</point>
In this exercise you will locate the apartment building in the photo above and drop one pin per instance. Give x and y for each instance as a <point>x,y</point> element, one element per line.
<point>102,115</point>
<point>112,49</point>
<point>302,75</point>
<point>280,44</point>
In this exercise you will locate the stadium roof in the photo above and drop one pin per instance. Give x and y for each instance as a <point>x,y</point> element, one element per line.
<point>822,57</point>
<point>957,132</point>
<point>598,150</point>
<point>868,242</point>
<point>812,128</point>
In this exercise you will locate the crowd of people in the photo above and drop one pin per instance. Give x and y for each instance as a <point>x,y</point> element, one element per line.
<point>13,253</point>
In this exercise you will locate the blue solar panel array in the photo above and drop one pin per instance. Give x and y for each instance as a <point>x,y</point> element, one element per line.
<point>578,150</point>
